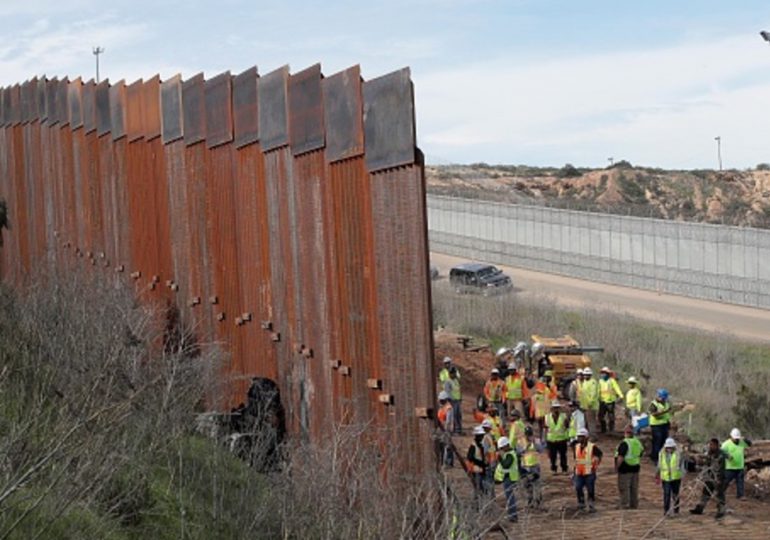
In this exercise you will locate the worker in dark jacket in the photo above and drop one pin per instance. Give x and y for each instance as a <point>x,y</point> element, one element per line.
<point>477,464</point>
<point>713,478</point>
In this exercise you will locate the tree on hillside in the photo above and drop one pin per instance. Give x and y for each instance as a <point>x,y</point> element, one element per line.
<point>569,171</point>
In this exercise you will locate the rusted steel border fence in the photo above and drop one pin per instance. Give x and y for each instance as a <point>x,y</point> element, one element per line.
<point>282,215</point>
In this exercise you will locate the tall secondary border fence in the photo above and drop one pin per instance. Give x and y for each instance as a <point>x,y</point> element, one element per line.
<point>281,215</point>
<point>714,262</point>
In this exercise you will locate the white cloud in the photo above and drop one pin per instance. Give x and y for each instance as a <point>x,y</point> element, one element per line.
<point>662,106</point>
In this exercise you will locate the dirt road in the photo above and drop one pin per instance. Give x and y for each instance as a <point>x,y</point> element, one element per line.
<point>742,322</point>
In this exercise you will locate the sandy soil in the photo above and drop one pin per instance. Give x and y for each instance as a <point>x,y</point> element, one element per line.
<point>739,321</point>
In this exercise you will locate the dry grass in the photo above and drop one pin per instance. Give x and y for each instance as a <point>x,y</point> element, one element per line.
<point>705,369</point>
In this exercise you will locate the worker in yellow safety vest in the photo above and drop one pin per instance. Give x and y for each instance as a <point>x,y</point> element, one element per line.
<point>734,463</point>
<point>633,400</point>
<point>530,450</point>
<point>557,437</point>
<point>669,473</point>
<point>516,389</point>
<point>507,473</point>
<point>628,458</point>
<point>516,429</point>
<point>589,398</point>
<point>497,424</point>
<point>660,420</point>
<point>494,391</point>
<point>609,393</point>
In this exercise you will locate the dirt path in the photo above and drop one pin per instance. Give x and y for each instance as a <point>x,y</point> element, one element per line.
<point>742,322</point>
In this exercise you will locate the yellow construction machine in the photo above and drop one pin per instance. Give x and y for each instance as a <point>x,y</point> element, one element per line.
<point>565,356</point>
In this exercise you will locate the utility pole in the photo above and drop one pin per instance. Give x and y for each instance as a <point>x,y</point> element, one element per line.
<point>718,139</point>
<point>611,160</point>
<point>97,51</point>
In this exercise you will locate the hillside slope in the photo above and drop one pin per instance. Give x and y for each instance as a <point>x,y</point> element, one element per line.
<point>740,198</point>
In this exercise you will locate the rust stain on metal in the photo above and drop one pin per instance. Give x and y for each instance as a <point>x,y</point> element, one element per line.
<point>294,204</point>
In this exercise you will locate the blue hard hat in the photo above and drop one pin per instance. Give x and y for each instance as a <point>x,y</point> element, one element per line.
<point>662,393</point>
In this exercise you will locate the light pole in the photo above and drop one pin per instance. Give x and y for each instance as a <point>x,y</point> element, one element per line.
<point>718,139</point>
<point>97,51</point>
<point>611,160</point>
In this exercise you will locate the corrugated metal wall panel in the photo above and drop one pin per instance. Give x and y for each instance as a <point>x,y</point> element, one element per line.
<point>222,200</point>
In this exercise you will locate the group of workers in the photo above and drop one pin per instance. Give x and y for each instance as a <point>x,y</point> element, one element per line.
<point>505,449</point>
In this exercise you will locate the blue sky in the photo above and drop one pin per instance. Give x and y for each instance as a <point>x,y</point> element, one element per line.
<point>535,82</point>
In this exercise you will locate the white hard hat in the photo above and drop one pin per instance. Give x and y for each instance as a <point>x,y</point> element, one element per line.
<point>588,371</point>
<point>632,380</point>
<point>478,430</point>
<point>579,371</point>
<point>670,443</point>
<point>521,345</point>
<point>735,433</point>
<point>555,404</point>
<point>605,369</point>
<point>537,347</point>
<point>512,366</point>
<point>582,432</point>
<point>443,396</point>
<point>495,371</point>
<point>501,351</point>
<point>487,423</point>
<point>502,442</point>
<point>447,359</point>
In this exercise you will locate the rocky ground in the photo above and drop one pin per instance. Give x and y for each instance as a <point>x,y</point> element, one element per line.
<point>559,518</point>
<point>740,198</point>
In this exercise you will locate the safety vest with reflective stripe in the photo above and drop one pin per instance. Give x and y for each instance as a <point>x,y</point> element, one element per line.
<point>489,444</point>
<point>513,389</point>
<point>634,451</point>
<point>663,418</point>
<point>585,463</point>
<point>512,472</point>
<point>454,389</point>
<point>497,426</point>
<point>493,390</point>
<point>541,401</point>
<point>442,414</point>
<point>609,391</point>
<point>589,395</point>
<point>634,399</point>
<point>557,429</point>
<point>516,433</point>
<point>669,466</point>
<point>529,457</point>
<point>572,432</point>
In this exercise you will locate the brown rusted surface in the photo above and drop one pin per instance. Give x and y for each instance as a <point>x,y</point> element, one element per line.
<point>251,211</point>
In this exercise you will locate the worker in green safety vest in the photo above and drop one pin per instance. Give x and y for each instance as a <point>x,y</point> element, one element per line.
<point>507,473</point>
<point>734,464</point>
<point>453,388</point>
<point>669,474</point>
<point>628,457</point>
<point>557,436</point>
<point>660,420</point>
<point>530,449</point>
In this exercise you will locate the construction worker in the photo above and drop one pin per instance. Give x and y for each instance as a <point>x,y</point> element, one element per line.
<point>540,404</point>
<point>660,419</point>
<point>669,473</point>
<point>497,424</point>
<point>734,467</point>
<point>443,375</point>
<point>507,473</point>
<point>589,398</point>
<point>452,387</point>
<point>530,465</point>
<point>713,479</point>
<point>494,391</point>
<point>516,389</point>
<point>573,389</point>
<point>517,428</point>
<point>627,464</point>
<point>447,426</point>
<point>477,463</point>
<point>577,420</point>
<point>633,400</point>
<point>588,456</point>
<point>557,436</point>
<point>609,393</point>
<point>489,444</point>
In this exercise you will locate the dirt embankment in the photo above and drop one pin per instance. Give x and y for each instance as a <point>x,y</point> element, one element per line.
<point>732,197</point>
